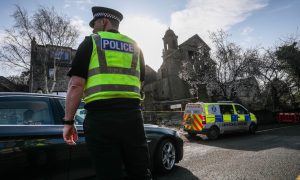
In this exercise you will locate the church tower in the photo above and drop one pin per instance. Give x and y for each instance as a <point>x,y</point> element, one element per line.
<point>170,42</point>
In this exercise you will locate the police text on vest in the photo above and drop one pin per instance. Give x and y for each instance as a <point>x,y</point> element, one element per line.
<point>110,44</point>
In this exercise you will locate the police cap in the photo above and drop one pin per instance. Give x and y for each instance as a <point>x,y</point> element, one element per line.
<point>103,12</point>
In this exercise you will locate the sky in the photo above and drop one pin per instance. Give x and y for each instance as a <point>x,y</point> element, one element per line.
<point>250,23</point>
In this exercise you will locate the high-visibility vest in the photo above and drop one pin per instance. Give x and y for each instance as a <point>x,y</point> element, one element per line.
<point>114,69</point>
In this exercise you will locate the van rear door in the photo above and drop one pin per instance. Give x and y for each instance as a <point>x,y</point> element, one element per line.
<point>192,115</point>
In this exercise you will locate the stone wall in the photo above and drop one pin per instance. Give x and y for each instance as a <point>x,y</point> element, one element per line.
<point>163,118</point>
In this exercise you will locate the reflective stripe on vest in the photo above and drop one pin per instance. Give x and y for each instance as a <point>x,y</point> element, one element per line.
<point>113,70</point>
<point>112,87</point>
<point>101,74</point>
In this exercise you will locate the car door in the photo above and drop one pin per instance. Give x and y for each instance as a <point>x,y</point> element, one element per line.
<point>243,117</point>
<point>80,162</point>
<point>31,145</point>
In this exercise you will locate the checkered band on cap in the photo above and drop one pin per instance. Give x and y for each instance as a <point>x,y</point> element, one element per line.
<point>107,15</point>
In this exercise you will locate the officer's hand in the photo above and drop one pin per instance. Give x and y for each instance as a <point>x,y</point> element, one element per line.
<point>70,134</point>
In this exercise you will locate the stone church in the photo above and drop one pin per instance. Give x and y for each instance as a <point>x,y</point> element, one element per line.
<point>164,88</point>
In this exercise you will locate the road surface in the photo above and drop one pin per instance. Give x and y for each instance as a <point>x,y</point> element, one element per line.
<point>269,154</point>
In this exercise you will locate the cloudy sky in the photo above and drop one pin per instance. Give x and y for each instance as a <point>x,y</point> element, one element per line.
<point>250,22</point>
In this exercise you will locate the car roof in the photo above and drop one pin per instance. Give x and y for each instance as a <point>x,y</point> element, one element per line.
<point>6,94</point>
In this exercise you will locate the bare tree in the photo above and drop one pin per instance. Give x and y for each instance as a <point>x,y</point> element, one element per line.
<point>289,54</point>
<point>20,80</point>
<point>277,82</point>
<point>233,64</point>
<point>15,50</point>
<point>224,71</point>
<point>47,28</point>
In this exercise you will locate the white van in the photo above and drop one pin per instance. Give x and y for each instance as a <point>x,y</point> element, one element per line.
<point>214,119</point>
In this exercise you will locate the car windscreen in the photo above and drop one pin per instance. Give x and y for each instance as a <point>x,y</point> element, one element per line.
<point>241,110</point>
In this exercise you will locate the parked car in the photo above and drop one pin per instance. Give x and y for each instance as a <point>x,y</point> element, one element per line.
<point>32,147</point>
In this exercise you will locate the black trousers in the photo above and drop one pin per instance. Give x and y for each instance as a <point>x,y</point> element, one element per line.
<point>116,139</point>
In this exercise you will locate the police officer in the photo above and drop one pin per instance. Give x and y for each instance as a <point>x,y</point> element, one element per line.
<point>108,69</point>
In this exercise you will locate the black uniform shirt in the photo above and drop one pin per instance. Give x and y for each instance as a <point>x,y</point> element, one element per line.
<point>80,66</point>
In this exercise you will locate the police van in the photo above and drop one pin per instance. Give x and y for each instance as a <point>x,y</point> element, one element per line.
<point>214,119</point>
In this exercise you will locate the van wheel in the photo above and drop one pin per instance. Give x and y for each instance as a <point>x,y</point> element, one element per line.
<point>192,134</point>
<point>252,128</point>
<point>213,133</point>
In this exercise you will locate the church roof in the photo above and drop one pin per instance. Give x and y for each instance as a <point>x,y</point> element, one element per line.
<point>192,39</point>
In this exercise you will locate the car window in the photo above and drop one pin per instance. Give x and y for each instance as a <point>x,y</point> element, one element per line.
<point>18,112</point>
<point>214,109</point>
<point>80,113</point>
<point>226,109</point>
<point>240,110</point>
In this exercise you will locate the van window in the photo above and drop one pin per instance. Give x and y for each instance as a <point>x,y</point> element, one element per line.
<point>214,109</point>
<point>226,109</point>
<point>240,110</point>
